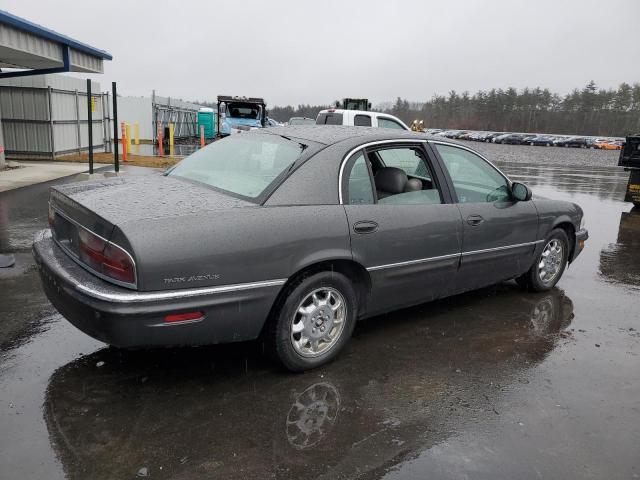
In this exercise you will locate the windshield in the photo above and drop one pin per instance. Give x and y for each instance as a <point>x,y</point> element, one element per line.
<point>241,164</point>
<point>243,110</point>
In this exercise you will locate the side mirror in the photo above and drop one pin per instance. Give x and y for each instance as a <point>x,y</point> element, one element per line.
<point>520,192</point>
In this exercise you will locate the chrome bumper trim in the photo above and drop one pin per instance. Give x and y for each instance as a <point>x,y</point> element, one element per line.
<point>175,294</point>
<point>95,292</point>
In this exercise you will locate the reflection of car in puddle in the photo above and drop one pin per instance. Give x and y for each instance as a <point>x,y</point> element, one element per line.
<point>542,315</point>
<point>312,414</point>
<point>620,262</point>
<point>407,382</point>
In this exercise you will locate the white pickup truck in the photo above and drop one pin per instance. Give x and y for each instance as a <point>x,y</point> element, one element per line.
<point>359,118</point>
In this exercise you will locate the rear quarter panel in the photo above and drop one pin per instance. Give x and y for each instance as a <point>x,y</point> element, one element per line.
<point>236,245</point>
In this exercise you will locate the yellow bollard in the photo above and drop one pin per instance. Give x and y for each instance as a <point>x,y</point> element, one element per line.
<point>127,127</point>
<point>171,134</point>
<point>136,133</point>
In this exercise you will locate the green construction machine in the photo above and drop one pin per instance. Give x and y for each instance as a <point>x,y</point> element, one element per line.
<point>354,104</point>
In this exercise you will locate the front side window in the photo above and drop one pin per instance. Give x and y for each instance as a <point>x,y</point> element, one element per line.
<point>244,165</point>
<point>403,177</point>
<point>362,121</point>
<point>360,191</point>
<point>384,122</point>
<point>474,179</point>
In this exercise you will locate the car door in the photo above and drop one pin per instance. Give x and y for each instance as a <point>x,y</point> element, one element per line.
<point>500,233</point>
<point>409,242</point>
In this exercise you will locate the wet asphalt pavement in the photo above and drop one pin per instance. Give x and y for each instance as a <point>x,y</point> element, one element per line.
<point>494,384</point>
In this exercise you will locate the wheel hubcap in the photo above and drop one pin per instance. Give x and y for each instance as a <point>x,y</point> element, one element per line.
<point>318,322</point>
<point>551,261</point>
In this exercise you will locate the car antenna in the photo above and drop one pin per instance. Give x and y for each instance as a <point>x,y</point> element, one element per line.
<point>287,138</point>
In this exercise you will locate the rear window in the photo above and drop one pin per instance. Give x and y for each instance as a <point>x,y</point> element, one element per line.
<point>331,118</point>
<point>241,164</point>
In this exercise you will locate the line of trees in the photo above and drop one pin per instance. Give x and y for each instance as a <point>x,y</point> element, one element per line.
<point>587,111</point>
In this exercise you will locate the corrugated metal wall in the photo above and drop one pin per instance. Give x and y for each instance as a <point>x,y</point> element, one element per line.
<point>48,116</point>
<point>156,110</point>
<point>137,109</point>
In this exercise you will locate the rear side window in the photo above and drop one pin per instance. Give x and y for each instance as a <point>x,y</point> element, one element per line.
<point>408,160</point>
<point>362,121</point>
<point>330,118</point>
<point>384,122</point>
<point>360,190</point>
<point>413,187</point>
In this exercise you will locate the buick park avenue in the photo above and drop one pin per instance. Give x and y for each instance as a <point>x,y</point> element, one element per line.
<point>291,235</point>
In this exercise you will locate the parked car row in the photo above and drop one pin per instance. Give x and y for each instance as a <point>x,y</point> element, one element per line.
<point>542,140</point>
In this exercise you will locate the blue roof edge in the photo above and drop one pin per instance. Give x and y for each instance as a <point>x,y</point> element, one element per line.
<point>34,28</point>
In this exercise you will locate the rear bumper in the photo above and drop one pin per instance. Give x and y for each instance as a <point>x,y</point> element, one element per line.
<point>581,237</point>
<point>127,318</point>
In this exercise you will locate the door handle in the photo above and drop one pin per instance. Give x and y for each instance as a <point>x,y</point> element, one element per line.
<point>365,226</point>
<point>474,220</point>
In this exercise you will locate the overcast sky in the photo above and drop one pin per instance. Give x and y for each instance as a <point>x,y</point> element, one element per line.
<point>295,51</point>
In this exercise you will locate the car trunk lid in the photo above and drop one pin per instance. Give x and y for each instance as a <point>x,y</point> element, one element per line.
<point>100,206</point>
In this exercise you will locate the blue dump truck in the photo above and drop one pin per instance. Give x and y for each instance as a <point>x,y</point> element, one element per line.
<point>238,114</point>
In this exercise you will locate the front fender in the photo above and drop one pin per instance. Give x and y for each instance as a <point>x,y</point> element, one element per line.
<point>552,213</point>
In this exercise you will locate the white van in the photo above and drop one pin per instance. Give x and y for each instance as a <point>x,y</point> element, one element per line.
<point>359,118</point>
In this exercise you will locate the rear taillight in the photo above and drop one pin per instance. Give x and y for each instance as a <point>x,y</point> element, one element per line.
<point>106,258</point>
<point>118,264</point>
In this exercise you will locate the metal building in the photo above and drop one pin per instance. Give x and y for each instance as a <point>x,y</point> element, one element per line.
<point>46,116</point>
<point>152,112</point>
<point>39,50</point>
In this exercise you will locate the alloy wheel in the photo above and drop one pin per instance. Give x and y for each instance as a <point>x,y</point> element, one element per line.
<point>551,261</point>
<point>318,322</point>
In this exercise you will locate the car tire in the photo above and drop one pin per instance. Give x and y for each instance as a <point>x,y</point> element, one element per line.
<point>317,325</point>
<point>549,264</point>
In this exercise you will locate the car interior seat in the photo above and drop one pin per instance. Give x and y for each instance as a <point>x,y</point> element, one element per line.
<point>390,181</point>
<point>413,185</point>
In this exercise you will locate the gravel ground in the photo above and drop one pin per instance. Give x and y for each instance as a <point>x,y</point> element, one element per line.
<point>547,155</point>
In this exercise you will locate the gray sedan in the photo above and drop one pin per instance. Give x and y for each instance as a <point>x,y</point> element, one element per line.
<point>292,235</point>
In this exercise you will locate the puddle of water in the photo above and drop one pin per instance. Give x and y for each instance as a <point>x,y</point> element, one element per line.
<point>492,384</point>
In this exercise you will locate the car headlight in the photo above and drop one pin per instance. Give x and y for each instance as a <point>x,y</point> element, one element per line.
<point>583,222</point>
